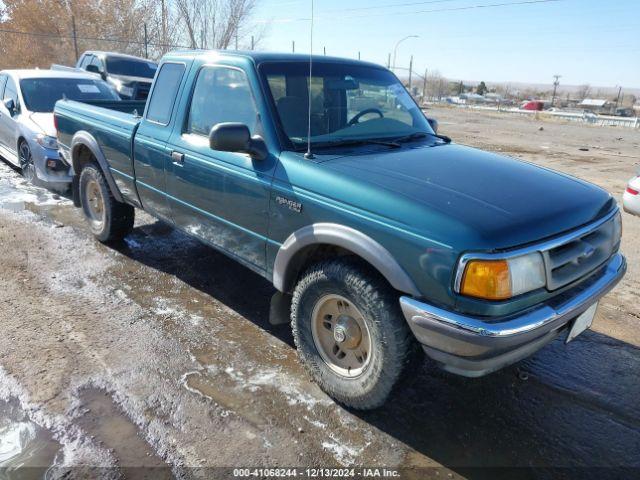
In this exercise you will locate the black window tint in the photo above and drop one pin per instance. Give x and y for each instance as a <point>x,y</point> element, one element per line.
<point>221,95</point>
<point>11,91</point>
<point>164,93</point>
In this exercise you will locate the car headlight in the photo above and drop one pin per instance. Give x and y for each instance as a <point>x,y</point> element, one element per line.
<point>501,279</point>
<point>47,141</point>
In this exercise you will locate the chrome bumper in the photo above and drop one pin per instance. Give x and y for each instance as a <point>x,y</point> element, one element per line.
<point>474,347</point>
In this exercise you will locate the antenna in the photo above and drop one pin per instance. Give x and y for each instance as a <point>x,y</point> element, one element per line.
<point>309,155</point>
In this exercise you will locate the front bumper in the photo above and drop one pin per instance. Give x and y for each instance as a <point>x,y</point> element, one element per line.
<point>475,346</point>
<point>50,167</point>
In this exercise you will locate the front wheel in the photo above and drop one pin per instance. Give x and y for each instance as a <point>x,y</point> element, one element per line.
<point>26,162</point>
<point>109,220</point>
<point>349,331</point>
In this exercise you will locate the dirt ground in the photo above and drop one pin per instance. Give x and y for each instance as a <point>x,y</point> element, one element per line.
<point>156,358</point>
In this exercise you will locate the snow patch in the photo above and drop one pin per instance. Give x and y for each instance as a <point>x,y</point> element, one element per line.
<point>343,453</point>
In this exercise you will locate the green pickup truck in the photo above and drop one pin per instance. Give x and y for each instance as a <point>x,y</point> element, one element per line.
<point>379,234</point>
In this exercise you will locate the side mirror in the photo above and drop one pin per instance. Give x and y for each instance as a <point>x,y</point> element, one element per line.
<point>236,137</point>
<point>10,105</point>
<point>95,69</point>
<point>434,124</point>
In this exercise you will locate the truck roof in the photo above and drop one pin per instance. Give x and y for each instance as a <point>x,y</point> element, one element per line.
<point>116,54</point>
<point>46,73</point>
<point>260,57</point>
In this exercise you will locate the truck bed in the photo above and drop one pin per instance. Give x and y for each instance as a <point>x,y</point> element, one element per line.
<point>113,125</point>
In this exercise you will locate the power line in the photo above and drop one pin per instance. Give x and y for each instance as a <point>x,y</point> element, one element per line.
<point>96,39</point>
<point>416,12</point>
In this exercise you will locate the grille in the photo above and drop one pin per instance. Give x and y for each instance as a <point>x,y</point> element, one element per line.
<point>581,255</point>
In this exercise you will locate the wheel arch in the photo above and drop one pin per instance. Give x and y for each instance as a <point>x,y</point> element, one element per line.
<point>301,246</point>
<point>84,148</point>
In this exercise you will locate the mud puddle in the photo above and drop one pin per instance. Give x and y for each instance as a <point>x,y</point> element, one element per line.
<point>27,451</point>
<point>104,422</point>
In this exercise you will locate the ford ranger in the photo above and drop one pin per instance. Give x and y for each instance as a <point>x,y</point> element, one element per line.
<point>328,180</point>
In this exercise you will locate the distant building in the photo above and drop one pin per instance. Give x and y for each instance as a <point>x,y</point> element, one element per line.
<point>596,105</point>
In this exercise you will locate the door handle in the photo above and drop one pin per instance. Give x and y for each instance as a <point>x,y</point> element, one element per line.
<point>177,158</point>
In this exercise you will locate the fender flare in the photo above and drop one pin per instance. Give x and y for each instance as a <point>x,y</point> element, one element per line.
<point>83,138</point>
<point>286,265</point>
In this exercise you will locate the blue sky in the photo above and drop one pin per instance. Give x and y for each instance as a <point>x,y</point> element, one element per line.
<point>585,41</point>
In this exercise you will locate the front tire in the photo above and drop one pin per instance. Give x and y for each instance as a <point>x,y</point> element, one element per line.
<point>108,219</point>
<point>350,332</point>
<point>27,167</point>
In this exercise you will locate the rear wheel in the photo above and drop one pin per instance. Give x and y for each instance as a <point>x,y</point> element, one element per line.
<point>26,162</point>
<point>108,219</point>
<point>349,331</point>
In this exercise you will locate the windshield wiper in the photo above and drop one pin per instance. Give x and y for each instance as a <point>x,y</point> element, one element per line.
<point>340,142</point>
<point>419,135</point>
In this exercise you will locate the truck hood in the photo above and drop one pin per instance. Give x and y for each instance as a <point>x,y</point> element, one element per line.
<point>493,201</point>
<point>43,122</point>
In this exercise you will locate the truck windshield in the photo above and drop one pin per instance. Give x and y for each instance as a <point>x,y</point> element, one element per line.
<point>131,67</point>
<point>41,94</point>
<point>349,103</point>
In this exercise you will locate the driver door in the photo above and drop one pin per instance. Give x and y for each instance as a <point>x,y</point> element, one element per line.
<point>220,197</point>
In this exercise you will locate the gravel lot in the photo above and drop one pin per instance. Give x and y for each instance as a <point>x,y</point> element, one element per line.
<point>156,358</point>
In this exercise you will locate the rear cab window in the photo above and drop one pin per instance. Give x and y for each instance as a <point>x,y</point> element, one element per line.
<point>165,92</point>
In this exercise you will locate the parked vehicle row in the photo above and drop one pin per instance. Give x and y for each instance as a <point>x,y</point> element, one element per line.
<point>130,76</point>
<point>378,233</point>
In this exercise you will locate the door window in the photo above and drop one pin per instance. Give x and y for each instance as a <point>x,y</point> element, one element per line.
<point>3,80</point>
<point>11,91</point>
<point>85,61</point>
<point>221,95</point>
<point>96,61</point>
<point>164,93</point>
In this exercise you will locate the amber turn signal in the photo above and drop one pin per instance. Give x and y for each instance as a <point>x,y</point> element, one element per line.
<point>487,279</point>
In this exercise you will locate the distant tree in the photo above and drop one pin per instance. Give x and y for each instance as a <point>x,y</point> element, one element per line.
<point>583,91</point>
<point>481,89</point>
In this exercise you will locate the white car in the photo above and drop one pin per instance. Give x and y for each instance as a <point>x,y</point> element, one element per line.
<point>631,197</point>
<point>27,133</point>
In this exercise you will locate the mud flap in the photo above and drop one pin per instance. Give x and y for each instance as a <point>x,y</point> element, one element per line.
<point>280,309</point>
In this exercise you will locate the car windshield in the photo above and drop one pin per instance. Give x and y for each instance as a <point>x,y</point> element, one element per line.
<point>349,103</point>
<point>131,67</point>
<point>41,94</point>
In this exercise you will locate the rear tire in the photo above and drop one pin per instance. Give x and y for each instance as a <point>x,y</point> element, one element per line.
<point>350,332</point>
<point>108,219</point>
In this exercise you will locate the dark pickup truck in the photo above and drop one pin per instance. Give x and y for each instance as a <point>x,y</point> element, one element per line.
<point>384,236</point>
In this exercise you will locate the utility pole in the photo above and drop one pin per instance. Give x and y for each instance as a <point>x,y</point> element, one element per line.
<point>293,46</point>
<point>75,36</point>
<point>253,43</point>
<point>236,39</point>
<point>618,99</point>
<point>389,61</point>
<point>424,85</point>
<point>146,42</point>
<point>556,82</point>
<point>359,57</point>
<point>410,73</point>
<point>324,49</point>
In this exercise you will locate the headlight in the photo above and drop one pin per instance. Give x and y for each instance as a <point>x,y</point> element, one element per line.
<point>47,141</point>
<point>617,231</point>
<point>502,279</point>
